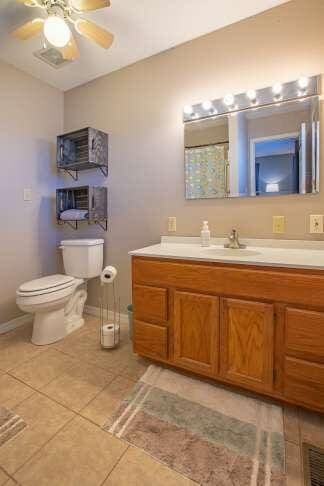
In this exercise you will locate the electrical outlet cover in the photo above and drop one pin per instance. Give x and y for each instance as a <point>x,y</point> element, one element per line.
<point>316,223</point>
<point>172,224</point>
<point>278,224</point>
<point>27,194</point>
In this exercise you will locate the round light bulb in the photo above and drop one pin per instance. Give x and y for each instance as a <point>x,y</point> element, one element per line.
<point>276,89</point>
<point>57,31</point>
<point>251,94</point>
<point>229,100</point>
<point>207,105</point>
<point>303,82</point>
<point>188,110</point>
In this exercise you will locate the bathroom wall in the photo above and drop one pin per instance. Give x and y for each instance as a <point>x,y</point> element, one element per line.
<point>141,108</point>
<point>31,115</point>
<point>216,132</point>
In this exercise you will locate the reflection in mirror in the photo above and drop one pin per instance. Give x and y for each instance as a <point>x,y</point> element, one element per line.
<point>206,158</point>
<point>271,150</point>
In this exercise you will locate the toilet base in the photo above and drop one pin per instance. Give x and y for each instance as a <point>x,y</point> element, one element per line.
<point>49,327</point>
<point>73,323</point>
<point>74,310</point>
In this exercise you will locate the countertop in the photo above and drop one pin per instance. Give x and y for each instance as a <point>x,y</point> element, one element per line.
<point>273,253</point>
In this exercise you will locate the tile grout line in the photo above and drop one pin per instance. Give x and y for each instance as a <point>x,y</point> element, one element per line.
<point>79,361</point>
<point>53,379</point>
<point>76,413</point>
<point>38,352</point>
<point>31,358</point>
<point>97,394</point>
<point>28,386</point>
<point>42,447</point>
<point>66,353</point>
<point>116,464</point>
<point>41,392</point>
<point>7,474</point>
<point>301,457</point>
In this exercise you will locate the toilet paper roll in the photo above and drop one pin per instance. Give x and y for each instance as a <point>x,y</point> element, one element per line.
<point>108,275</point>
<point>110,335</point>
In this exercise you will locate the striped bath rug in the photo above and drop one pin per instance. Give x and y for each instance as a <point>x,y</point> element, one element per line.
<point>208,433</point>
<point>10,425</point>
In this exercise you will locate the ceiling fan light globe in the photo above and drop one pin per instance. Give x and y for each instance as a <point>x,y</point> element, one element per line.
<point>57,31</point>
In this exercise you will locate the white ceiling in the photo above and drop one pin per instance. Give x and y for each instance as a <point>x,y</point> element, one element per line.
<point>142,28</point>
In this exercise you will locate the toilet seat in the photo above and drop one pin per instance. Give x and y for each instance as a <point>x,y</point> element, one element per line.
<point>46,285</point>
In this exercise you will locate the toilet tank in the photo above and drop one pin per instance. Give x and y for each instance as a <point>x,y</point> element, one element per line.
<point>82,258</point>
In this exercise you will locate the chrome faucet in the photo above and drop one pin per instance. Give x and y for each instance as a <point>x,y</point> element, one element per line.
<point>234,243</point>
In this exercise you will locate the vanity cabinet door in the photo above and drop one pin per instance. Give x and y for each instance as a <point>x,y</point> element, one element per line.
<point>196,332</point>
<point>247,343</point>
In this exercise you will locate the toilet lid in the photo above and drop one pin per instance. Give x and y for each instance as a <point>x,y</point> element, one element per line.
<point>49,283</point>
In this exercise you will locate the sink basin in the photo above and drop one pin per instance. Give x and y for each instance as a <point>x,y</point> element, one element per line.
<point>228,252</point>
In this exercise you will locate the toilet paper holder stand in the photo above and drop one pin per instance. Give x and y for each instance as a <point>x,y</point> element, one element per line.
<point>109,320</point>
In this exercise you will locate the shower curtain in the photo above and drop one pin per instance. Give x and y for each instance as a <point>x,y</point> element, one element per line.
<point>205,171</point>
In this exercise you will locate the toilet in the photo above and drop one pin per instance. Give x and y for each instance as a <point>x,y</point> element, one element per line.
<point>57,301</point>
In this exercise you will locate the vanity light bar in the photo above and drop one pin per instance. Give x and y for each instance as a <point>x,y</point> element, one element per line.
<point>299,89</point>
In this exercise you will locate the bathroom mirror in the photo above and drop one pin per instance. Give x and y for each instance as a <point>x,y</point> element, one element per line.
<point>261,151</point>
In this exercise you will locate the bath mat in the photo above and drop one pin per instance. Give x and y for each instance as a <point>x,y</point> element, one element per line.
<point>208,433</point>
<point>10,425</point>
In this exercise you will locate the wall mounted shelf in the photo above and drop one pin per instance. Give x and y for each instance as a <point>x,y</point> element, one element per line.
<point>82,150</point>
<point>75,205</point>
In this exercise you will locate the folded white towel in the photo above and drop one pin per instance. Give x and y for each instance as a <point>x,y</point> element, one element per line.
<point>74,215</point>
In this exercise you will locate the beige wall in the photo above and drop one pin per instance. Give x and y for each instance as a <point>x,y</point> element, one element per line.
<point>206,134</point>
<point>31,115</point>
<point>141,108</point>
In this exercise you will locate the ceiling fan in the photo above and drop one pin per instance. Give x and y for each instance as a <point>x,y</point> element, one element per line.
<point>56,29</point>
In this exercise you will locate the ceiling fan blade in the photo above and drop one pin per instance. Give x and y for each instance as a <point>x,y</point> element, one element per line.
<point>70,52</point>
<point>87,5</point>
<point>29,29</point>
<point>95,33</point>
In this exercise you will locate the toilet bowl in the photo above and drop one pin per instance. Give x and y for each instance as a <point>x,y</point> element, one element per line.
<point>47,298</point>
<point>57,301</point>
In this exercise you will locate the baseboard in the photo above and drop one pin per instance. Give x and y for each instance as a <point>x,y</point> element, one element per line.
<point>15,323</point>
<point>95,311</point>
<point>27,318</point>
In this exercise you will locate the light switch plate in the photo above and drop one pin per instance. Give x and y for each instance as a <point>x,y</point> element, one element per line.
<point>172,224</point>
<point>278,224</point>
<point>316,223</point>
<point>27,194</point>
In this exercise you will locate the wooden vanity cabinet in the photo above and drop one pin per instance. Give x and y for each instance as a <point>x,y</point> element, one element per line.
<point>259,328</point>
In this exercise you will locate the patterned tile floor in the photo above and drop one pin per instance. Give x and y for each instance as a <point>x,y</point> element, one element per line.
<point>67,391</point>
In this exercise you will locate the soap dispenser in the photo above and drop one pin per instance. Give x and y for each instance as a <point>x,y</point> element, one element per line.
<point>205,234</point>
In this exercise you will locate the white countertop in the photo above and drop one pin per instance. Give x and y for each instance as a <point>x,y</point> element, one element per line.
<point>273,253</point>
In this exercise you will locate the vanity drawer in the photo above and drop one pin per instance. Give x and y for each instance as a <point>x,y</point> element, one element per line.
<point>150,340</point>
<point>150,303</point>
<point>287,286</point>
<point>304,382</point>
<point>305,334</point>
